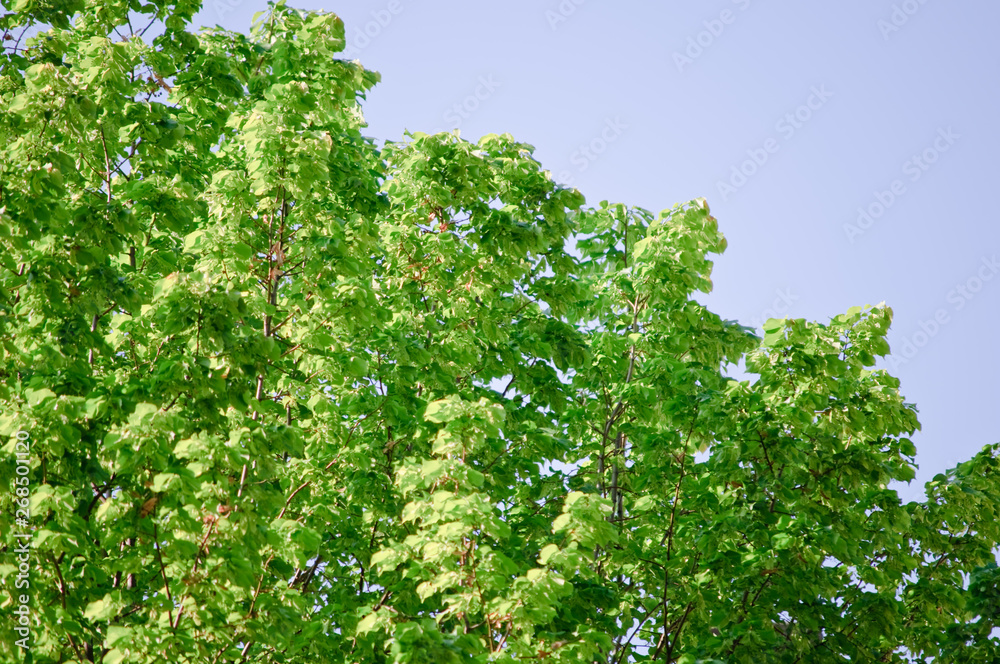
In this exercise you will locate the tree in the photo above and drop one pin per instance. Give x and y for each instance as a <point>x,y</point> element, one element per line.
<point>272,393</point>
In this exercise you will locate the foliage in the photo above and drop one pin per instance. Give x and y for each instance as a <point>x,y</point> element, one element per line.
<point>293,397</point>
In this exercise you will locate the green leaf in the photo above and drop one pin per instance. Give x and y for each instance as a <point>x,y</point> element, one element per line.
<point>117,634</point>
<point>371,622</point>
<point>163,481</point>
<point>143,413</point>
<point>242,251</point>
<point>35,397</point>
<point>114,656</point>
<point>547,552</point>
<point>444,410</point>
<point>100,610</point>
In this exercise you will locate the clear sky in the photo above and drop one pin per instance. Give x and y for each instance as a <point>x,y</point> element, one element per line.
<point>848,149</point>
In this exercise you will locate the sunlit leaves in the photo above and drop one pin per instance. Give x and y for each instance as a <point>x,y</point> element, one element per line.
<point>294,396</point>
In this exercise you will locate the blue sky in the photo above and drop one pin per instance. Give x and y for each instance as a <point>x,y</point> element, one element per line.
<point>792,119</point>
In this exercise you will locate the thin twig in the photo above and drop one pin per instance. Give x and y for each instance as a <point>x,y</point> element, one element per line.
<point>292,495</point>
<point>163,572</point>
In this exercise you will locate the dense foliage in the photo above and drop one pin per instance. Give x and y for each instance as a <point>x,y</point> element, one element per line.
<point>279,394</point>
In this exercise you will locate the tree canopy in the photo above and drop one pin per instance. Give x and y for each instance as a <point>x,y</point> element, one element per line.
<point>273,391</point>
